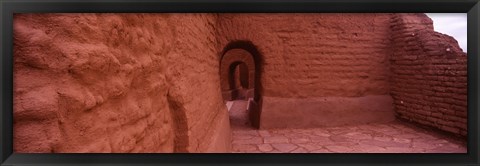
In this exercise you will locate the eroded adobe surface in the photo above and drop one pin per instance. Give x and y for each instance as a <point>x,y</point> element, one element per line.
<point>117,83</point>
<point>153,82</point>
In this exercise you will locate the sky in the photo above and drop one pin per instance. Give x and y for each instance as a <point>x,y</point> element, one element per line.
<point>452,24</point>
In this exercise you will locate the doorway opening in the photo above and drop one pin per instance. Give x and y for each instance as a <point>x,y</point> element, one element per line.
<point>238,80</point>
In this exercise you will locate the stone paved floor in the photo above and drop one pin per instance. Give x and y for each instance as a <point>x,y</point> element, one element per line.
<point>393,137</point>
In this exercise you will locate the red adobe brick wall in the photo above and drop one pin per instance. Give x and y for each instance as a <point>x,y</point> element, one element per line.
<point>429,75</point>
<point>315,55</point>
<point>325,69</point>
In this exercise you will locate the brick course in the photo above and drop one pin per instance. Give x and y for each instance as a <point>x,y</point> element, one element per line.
<point>429,75</point>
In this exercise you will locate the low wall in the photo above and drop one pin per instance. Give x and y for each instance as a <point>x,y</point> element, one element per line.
<point>325,111</point>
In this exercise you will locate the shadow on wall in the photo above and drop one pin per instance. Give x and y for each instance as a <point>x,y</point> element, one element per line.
<point>180,125</point>
<point>241,60</point>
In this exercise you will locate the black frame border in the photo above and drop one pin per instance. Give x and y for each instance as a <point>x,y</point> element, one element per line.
<point>9,7</point>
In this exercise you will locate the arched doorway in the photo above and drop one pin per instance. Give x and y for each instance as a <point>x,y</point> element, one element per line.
<point>238,81</point>
<point>237,63</point>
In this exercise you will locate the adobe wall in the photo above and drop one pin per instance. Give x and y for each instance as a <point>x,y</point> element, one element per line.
<point>151,82</point>
<point>117,83</point>
<point>429,75</point>
<point>316,69</point>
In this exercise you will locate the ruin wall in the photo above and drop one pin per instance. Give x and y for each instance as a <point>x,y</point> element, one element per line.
<point>429,75</point>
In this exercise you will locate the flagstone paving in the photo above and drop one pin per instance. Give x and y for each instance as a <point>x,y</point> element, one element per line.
<point>393,137</point>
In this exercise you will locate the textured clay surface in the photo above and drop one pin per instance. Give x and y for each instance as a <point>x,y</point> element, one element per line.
<point>118,83</point>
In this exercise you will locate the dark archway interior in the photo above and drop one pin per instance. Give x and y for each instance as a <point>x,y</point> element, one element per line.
<point>238,80</point>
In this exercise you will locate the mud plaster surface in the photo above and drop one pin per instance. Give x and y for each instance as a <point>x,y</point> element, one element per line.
<point>117,83</point>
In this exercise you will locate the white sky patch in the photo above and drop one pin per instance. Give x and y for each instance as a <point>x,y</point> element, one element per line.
<point>452,24</point>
